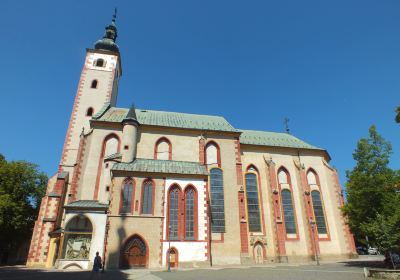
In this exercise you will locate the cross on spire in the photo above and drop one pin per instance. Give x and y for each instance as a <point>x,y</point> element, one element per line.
<point>114,17</point>
<point>286,122</point>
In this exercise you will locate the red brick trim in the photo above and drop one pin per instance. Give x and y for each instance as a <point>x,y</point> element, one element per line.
<point>77,169</point>
<point>162,222</point>
<point>280,234</point>
<point>207,232</point>
<point>202,155</point>
<point>71,124</point>
<point>347,233</point>
<point>244,239</point>
<point>314,245</point>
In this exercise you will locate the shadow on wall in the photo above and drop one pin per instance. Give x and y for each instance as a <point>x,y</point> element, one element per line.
<point>114,257</point>
<point>21,272</point>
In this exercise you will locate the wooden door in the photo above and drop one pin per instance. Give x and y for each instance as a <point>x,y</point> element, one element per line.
<point>135,253</point>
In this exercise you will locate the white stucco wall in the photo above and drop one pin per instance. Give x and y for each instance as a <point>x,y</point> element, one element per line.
<point>188,251</point>
<point>98,221</point>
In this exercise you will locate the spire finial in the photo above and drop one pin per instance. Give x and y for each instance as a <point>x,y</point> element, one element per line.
<point>286,122</point>
<point>114,17</point>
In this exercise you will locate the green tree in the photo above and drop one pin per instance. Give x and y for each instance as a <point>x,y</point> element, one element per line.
<point>397,114</point>
<point>371,191</point>
<point>22,187</point>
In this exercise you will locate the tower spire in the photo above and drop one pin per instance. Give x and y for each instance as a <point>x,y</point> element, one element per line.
<point>110,36</point>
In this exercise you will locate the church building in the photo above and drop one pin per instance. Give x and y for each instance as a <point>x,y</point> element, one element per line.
<point>145,188</point>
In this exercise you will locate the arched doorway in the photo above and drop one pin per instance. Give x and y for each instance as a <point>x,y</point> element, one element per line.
<point>134,253</point>
<point>173,257</point>
<point>259,253</point>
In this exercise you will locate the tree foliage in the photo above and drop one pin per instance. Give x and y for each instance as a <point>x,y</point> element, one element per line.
<point>372,201</point>
<point>397,118</point>
<point>22,187</point>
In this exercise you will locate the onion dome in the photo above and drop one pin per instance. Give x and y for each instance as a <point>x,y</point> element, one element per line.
<point>109,38</point>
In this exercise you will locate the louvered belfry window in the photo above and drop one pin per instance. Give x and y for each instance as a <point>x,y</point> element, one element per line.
<point>253,210</point>
<point>217,200</point>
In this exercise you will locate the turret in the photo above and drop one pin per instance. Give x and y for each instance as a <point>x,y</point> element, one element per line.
<point>129,135</point>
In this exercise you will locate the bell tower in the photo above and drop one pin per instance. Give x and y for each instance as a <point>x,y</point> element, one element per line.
<point>97,86</point>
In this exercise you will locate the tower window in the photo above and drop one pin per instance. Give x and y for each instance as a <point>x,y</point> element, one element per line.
<point>94,84</point>
<point>89,112</point>
<point>99,62</point>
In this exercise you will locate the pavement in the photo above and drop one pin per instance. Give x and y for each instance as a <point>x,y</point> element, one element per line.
<point>345,270</point>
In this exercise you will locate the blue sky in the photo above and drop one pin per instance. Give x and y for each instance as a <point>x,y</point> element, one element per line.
<point>331,67</point>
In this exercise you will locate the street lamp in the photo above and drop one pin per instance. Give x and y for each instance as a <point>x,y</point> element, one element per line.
<point>169,248</point>
<point>312,223</point>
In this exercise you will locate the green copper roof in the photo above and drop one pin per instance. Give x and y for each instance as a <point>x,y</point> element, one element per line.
<point>167,119</point>
<point>266,138</point>
<point>113,156</point>
<point>162,166</point>
<point>86,204</point>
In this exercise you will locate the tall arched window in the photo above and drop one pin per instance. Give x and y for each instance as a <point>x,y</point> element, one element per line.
<point>253,209</point>
<point>163,149</point>
<point>94,84</point>
<point>77,238</point>
<point>318,212</point>
<point>190,213</point>
<point>287,201</point>
<point>147,197</point>
<point>212,154</point>
<point>173,213</point>
<point>127,196</point>
<point>288,212</point>
<point>217,200</point>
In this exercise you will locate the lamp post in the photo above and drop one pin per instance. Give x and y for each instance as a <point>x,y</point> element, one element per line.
<point>312,223</point>
<point>169,248</point>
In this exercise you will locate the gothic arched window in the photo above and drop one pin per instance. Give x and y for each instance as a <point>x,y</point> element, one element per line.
<point>318,212</point>
<point>190,213</point>
<point>253,207</point>
<point>147,197</point>
<point>288,212</point>
<point>173,213</point>
<point>217,200</point>
<point>127,196</point>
